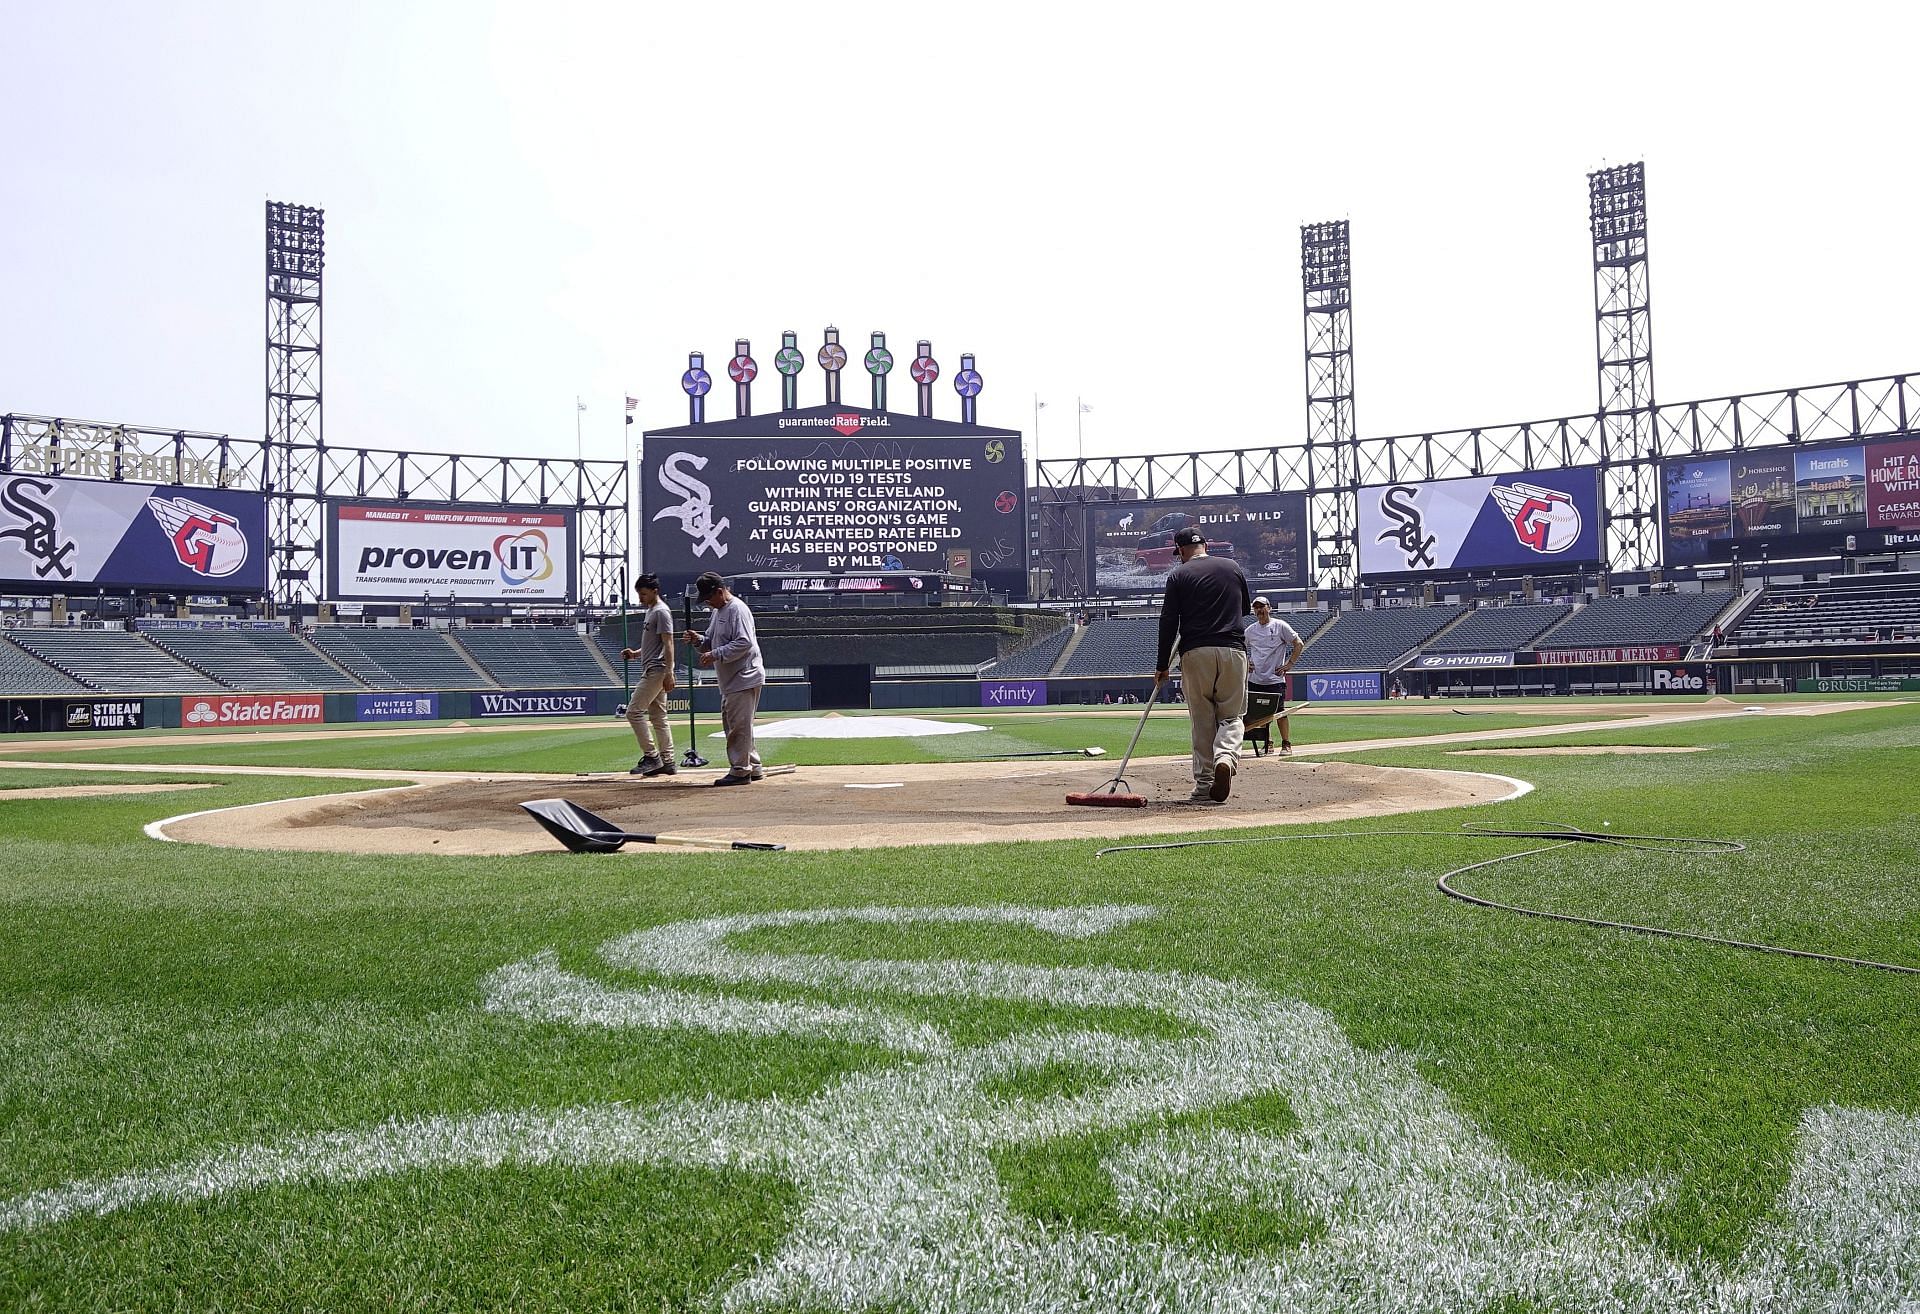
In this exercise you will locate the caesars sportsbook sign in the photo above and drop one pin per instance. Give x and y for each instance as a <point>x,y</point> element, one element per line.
<point>821,503</point>
<point>404,551</point>
<point>68,535</point>
<point>1540,521</point>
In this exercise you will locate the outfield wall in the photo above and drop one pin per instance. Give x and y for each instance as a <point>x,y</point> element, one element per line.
<point>79,714</point>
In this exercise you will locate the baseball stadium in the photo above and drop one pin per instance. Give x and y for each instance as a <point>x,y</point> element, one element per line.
<point>1556,949</point>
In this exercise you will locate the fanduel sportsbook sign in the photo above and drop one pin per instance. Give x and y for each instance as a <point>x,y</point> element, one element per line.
<point>1341,687</point>
<point>1536,520</point>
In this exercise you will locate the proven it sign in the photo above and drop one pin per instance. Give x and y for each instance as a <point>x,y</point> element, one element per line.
<point>405,552</point>
<point>252,709</point>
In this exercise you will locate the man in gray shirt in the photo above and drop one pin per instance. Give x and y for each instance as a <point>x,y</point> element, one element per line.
<point>647,701</point>
<point>732,649</point>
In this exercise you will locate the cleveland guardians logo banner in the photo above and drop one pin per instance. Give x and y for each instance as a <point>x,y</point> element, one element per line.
<point>1531,520</point>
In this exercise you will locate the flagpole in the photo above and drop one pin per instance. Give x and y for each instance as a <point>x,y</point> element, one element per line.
<point>1038,406</point>
<point>578,407</point>
<point>1079,428</point>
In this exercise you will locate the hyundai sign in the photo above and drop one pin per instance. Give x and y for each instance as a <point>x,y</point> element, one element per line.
<point>406,551</point>
<point>69,535</point>
<point>1537,521</point>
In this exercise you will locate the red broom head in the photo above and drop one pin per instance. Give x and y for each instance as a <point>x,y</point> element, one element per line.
<point>1106,800</point>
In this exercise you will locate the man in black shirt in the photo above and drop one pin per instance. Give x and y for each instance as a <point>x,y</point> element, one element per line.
<point>1206,601</point>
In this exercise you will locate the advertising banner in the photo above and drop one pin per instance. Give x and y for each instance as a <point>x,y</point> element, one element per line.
<point>1342,687</point>
<point>396,707</point>
<point>1859,684</point>
<point>1463,661</point>
<point>1538,520</point>
<point>535,702</point>
<point>1680,679</point>
<point>1130,544</point>
<point>211,710</point>
<point>60,535</point>
<point>1013,693</point>
<point>1792,502</point>
<point>1656,652</point>
<point>119,714</point>
<point>403,551</point>
<point>822,501</point>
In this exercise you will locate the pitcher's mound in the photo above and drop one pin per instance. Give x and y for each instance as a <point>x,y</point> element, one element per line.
<point>815,808</point>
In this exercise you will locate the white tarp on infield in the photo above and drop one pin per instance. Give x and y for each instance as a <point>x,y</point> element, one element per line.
<point>856,727</point>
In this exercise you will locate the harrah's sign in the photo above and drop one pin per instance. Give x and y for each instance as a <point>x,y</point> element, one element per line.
<point>1660,652</point>
<point>252,709</point>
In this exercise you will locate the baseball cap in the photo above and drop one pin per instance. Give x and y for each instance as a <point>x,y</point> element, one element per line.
<point>1189,537</point>
<point>709,583</point>
<point>1261,602</point>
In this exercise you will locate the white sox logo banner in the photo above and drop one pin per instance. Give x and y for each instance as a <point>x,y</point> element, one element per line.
<point>1533,520</point>
<point>58,533</point>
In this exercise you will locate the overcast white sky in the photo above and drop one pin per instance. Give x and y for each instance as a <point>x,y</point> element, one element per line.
<point>525,202</point>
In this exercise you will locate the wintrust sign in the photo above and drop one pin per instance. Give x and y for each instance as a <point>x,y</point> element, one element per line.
<point>256,709</point>
<point>535,702</point>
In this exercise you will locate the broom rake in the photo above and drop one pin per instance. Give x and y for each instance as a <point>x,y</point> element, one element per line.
<point>1115,793</point>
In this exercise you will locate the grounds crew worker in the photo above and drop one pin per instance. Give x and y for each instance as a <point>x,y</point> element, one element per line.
<point>648,699</point>
<point>1273,646</point>
<point>732,649</point>
<point>1206,597</point>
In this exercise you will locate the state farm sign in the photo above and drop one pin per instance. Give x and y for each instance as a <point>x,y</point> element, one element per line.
<point>252,709</point>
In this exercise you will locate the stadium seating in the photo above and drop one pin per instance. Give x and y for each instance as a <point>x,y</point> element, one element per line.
<point>1373,640</point>
<point>269,660</point>
<point>1124,645</point>
<point>23,673</point>
<point>1848,612</point>
<point>1034,662</point>
<point>114,661</point>
<point>1670,618</point>
<point>1499,629</point>
<point>398,659</point>
<point>523,657</point>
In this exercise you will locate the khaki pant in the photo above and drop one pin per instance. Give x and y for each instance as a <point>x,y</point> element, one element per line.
<point>736,718</point>
<point>1214,681</point>
<point>648,702</point>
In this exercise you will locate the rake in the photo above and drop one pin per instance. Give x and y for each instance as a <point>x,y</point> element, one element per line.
<point>1115,794</point>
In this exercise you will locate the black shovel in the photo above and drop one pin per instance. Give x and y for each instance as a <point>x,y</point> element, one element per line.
<point>585,832</point>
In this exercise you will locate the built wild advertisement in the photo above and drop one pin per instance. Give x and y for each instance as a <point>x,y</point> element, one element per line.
<point>1130,543</point>
<point>406,551</point>
<point>72,535</point>
<point>862,494</point>
<point>1536,521</point>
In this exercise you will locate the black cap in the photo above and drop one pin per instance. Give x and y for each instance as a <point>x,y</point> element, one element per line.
<point>1189,537</point>
<point>708,584</point>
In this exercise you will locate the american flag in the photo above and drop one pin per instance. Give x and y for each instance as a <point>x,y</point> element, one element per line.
<point>632,404</point>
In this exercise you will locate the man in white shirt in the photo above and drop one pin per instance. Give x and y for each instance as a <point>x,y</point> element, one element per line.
<point>1273,646</point>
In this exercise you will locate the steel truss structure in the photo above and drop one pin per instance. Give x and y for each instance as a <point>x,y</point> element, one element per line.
<point>1883,407</point>
<point>1326,298</point>
<point>296,261</point>
<point>298,479</point>
<point>1623,337</point>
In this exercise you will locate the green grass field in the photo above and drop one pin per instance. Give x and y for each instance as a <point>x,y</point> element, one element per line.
<point>1267,1076</point>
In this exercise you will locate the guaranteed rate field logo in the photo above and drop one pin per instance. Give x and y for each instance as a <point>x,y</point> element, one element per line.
<point>205,541</point>
<point>523,557</point>
<point>1544,519</point>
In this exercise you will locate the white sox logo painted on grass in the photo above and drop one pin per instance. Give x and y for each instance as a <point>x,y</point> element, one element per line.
<point>901,1207</point>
